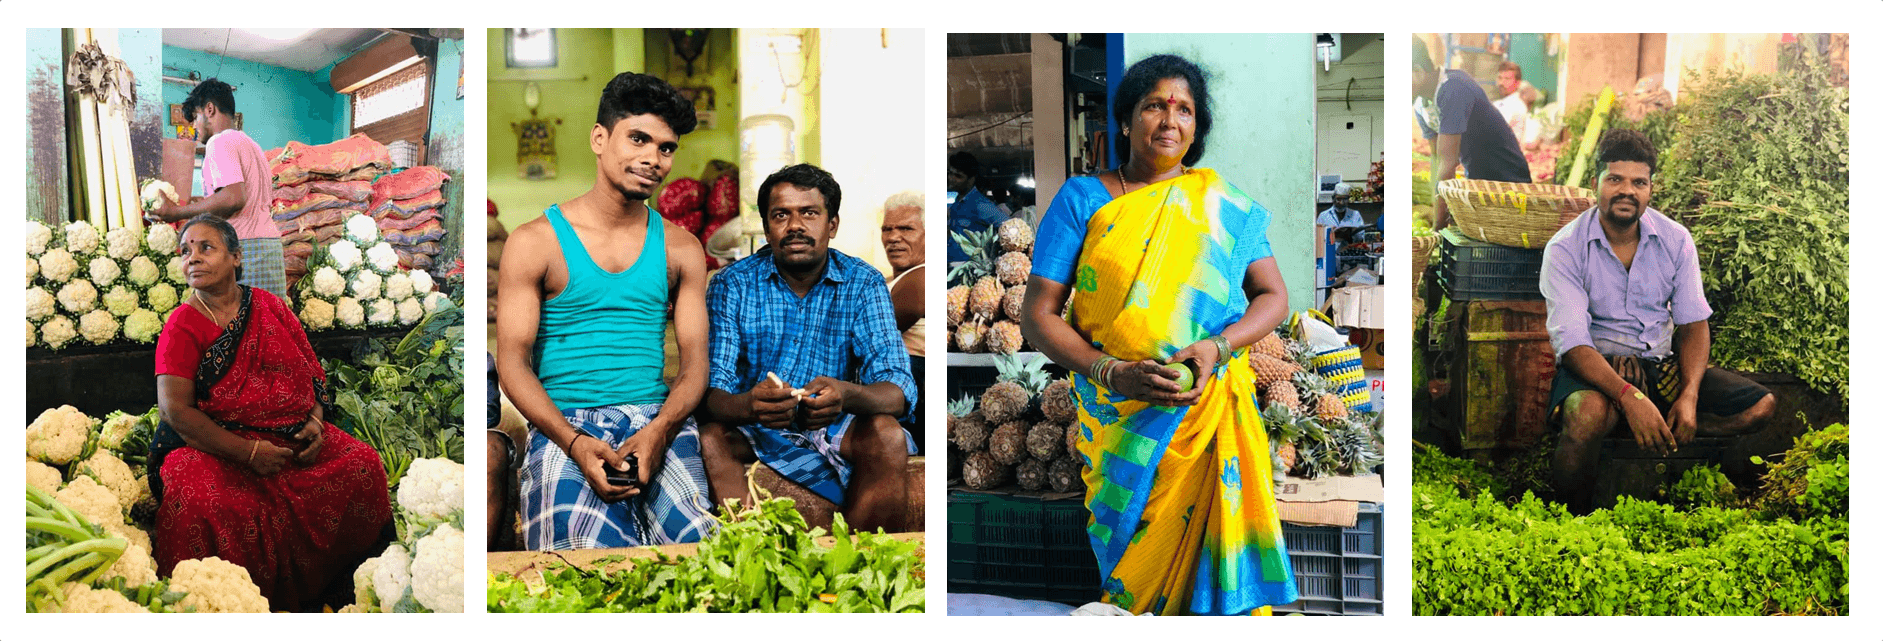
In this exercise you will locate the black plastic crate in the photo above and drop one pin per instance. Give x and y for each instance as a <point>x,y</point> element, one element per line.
<point>1337,570</point>
<point>1476,270</point>
<point>1020,547</point>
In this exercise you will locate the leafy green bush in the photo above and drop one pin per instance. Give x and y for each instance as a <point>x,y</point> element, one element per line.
<point>406,398</point>
<point>1704,485</point>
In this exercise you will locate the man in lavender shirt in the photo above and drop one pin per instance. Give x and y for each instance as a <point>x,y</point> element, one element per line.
<point>1628,321</point>
<point>239,187</point>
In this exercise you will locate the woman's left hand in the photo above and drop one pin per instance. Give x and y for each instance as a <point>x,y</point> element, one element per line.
<point>313,433</point>
<point>1205,355</point>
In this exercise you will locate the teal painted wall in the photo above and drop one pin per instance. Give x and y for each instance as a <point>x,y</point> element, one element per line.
<point>570,91</point>
<point>1262,90</point>
<point>277,104</point>
<point>446,150</point>
<point>1531,51</point>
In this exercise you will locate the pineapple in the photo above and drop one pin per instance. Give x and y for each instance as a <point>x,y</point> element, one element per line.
<point>1015,236</point>
<point>1282,393</point>
<point>1057,402</point>
<point>1065,475</point>
<point>1329,407</point>
<point>1271,344</point>
<point>1320,396</point>
<point>1004,337</point>
<point>1008,443</point>
<point>1011,301</point>
<point>1353,444</point>
<point>957,305</point>
<point>1045,441</point>
<point>1300,353</point>
<point>982,472</point>
<point>984,298</point>
<point>1012,267</point>
<point>1284,428</point>
<point>970,337</point>
<point>1269,370</point>
<point>1019,381</point>
<point>969,432</point>
<point>1072,442</point>
<point>1031,474</point>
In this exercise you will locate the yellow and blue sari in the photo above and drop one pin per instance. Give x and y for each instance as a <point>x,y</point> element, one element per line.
<point>1182,499</point>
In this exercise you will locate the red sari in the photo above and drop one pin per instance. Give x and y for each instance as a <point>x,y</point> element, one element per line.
<point>305,527</point>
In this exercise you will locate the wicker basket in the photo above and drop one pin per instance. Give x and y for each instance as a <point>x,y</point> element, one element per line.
<point>1421,250</point>
<point>1513,214</point>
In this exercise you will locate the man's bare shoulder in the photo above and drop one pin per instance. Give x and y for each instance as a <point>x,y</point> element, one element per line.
<point>678,237</point>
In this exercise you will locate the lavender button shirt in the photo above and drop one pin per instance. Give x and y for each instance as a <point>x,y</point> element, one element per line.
<point>1594,301</point>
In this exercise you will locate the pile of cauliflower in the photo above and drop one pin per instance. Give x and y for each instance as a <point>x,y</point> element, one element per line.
<point>97,287</point>
<point>348,287</point>
<point>81,462</point>
<point>424,570</point>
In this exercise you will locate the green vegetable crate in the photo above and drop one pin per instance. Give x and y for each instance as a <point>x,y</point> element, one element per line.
<point>1337,570</point>
<point>1628,470</point>
<point>1028,547</point>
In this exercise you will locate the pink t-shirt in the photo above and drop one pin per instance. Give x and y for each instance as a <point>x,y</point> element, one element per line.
<point>233,157</point>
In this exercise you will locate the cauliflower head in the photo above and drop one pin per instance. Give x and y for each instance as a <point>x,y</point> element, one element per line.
<point>40,304</point>
<point>161,297</point>
<point>381,312</point>
<point>112,473</point>
<point>362,229</point>
<point>78,296</point>
<point>383,258</point>
<point>120,301</point>
<point>346,255</point>
<point>153,192</point>
<point>57,332</point>
<point>143,326</point>
<point>143,272</point>
<point>349,313</point>
<point>173,270</point>
<point>421,282</point>
<point>81,238</point>
<point>38,236</point>
<point>215,585</point>
<point>123,243</point>
<point>363,595</point>
<point>161,240</point>
<point>93,501</point>
<point>117,427</point>
<point>32,270</point>
<point>135,565</point>
<point>316,314</point>
<point>432,488</point>
<point>103,271</point>
<point>57,265</point>
<point>84,598</point>
<point>438,570</point>
<point>398,286</point>
<point>366,285</point>
<point>328,283</point>
<point>392,575</point>
<point>43,476</point>
<point>410,311</point>
<point>32,335</point>
<point>58,436</point>
<point>98,327</point>
<point>435,300</point>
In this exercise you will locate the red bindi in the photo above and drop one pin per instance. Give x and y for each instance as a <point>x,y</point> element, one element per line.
<point>1171,100</point>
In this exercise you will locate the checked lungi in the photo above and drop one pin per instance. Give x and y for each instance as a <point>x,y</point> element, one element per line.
<point>264,266</point>
<point>809,458</point>
<point>561,511</point>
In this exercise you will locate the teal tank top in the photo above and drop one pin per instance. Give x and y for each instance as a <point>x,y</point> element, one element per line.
<point>601,341</point>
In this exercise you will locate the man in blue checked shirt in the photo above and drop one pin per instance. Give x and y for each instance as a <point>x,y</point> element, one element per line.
<point>808,370</point>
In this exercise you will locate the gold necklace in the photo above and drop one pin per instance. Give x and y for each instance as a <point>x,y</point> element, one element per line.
<point>207,307</point>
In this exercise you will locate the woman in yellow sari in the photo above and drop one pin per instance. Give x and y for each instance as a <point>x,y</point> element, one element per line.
<point>1166,264</point>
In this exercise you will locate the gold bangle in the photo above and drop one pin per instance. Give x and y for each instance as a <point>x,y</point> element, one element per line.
<point>256,444</point>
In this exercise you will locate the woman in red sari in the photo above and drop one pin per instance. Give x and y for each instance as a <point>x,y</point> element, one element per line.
<point>262,480</point>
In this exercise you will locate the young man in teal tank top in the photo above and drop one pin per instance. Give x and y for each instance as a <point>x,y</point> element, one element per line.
<point>583,300</point>
<point>809,374</point>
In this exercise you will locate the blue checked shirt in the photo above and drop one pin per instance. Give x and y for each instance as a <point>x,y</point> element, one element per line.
<point>844,328</point>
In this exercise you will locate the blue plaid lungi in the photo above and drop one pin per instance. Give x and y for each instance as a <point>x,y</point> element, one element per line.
<point>561,512</point>
<point>264,266</point>
<point>811,457</point>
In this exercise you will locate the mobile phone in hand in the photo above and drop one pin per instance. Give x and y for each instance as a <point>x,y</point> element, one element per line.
<point>629,478</point>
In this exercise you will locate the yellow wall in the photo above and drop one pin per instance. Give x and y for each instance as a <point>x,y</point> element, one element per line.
<point>587,59</point>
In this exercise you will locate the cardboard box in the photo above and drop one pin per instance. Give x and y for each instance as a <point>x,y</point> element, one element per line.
<point>1358,306</point>
<point>1372,344</point>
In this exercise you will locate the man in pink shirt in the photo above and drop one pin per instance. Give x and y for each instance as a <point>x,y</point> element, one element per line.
<point>239,186</point>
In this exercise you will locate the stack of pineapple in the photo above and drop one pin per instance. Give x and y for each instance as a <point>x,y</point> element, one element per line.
<point>1311,433</point>
<point>986,291</point>
<point>1023,429</point>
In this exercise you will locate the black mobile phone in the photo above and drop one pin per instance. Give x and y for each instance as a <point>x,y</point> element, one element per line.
<point>630,478</point>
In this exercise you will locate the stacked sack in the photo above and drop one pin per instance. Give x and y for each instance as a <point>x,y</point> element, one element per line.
<point>100,288</point>
<point>317,187</point>
<point>406,206</point>
<point>702,206</point>
<point>352,288</point>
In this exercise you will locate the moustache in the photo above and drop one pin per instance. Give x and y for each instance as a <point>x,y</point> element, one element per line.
<point>796,237</point>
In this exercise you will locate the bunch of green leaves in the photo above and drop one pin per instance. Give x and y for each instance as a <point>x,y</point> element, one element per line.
<point>762,559</point>
<point>1465,478</point>
<point>1812,479</point>
<point>1658,126</point>
<point>1704,485</point>
<point>1761,175</point>
<point>406,397</point>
